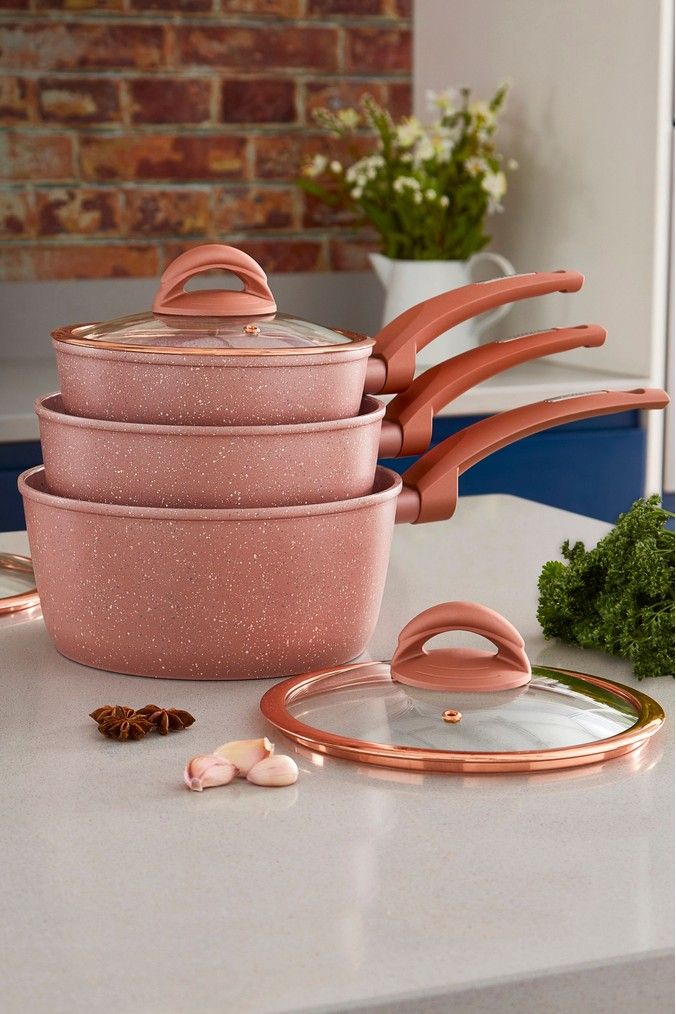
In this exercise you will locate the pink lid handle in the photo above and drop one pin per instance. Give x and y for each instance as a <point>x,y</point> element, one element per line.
<point>430,491</point>
<point>462,669</point>
<point>256,298</point>
<point>407,426</point>
<point>392,365</point>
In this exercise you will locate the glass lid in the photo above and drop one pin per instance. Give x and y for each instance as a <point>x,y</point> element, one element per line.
<point>17,584</point>
<point>462,710</point>
<point>212,321</point>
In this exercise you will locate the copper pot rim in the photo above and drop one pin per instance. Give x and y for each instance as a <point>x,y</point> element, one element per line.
<point>371,411</point>
<point>32,486</point>
<point>358,343</point>
<point>274,706</point>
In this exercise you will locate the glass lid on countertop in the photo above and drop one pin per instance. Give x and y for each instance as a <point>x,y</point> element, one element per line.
<point>460,709</point>
<point>212,321</point>
<point>17,584</point>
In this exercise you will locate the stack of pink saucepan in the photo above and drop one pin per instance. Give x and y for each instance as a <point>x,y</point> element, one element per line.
<point>210,505</point>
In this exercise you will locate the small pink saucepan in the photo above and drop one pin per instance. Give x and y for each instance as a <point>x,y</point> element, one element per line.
<point>224,358</point>
<point>247,593</point>
<point>263,466</point>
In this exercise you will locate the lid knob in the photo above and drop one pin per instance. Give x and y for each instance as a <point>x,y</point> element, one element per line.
<point>462,669</point>
<point>255,298</point>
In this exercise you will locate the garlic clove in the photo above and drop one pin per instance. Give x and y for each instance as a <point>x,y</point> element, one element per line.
<point>274,770</point>
<point>207,771</point>
<point>244,753</point>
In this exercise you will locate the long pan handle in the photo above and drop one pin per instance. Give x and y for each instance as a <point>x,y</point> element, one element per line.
<point>391,367</point>
<point>430,491</point>
<point>407,426</point>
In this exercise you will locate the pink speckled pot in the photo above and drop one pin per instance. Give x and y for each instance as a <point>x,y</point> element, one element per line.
<point>256,466</point>
<point>241,594</point>
<point>224,358</point>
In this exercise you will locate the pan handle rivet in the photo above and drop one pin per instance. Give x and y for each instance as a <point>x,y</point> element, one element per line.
<point>251,329</point>
<point>451,716</point>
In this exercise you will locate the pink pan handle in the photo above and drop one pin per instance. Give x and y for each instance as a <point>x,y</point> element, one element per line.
<point>392,365</point>
<point>255,298</point>
<point>430,491</point>
<point>462,669</point>
<point>407,426</point>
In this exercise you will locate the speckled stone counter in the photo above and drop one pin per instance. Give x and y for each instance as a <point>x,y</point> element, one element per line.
<point>356,889</point>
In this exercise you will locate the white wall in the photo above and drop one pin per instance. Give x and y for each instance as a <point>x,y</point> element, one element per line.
<point>30,310</point>
<point>589,120</point>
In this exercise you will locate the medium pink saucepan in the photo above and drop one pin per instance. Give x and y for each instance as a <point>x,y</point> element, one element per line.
<point>225,358</point>
<point>240,594</point>
<point>264,466</point>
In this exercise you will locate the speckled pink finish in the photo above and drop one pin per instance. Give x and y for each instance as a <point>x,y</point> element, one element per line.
<point>210,594</point>
<point>210,390</point>
<point>209,466</point>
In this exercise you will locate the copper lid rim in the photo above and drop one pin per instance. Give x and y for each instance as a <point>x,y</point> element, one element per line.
<point>24,600</point>
<point>649,719</point>
<point>65,336</point>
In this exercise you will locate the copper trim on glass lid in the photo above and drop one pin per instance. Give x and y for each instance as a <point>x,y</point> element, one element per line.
<point>449,671</point>
<point>22,600</point>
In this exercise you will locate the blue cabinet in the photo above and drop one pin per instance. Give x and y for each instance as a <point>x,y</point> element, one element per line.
<point>593,467</point>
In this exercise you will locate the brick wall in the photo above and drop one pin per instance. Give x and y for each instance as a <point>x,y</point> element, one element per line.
<point>134,128</point>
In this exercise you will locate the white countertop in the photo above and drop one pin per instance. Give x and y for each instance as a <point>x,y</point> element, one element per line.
<point>24,378</point>
<point>356,889</point>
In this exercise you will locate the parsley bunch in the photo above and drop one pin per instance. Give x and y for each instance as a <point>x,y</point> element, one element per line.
<point>618,596</point>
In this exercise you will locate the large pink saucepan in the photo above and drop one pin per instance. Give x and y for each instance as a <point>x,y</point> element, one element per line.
<point>239,594</point>
<point>225,358</point>
<point>264,466</point>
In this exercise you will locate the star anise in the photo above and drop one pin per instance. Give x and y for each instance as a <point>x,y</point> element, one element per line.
<point>166,720</point>
<point>111,711</point>
<point>125,726</point>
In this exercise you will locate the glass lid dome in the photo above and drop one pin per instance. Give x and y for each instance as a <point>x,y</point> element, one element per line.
<point>212,321</point>
<point>462,710</point>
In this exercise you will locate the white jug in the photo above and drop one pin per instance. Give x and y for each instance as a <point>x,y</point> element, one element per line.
<point>409,282</point>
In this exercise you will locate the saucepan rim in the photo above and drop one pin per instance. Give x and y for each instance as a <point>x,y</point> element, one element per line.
<point>387,486</point>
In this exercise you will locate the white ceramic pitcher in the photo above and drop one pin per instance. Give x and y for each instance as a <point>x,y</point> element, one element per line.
<point>409,282</point>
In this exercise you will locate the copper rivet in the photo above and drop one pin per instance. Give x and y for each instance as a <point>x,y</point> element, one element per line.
<point>251,329</point>
<point>451,716</point>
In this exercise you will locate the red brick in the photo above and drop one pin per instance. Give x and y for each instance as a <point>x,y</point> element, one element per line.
<point>14,5</point>
<point>16,99</point>
<point>68,46</point>
<point>170,100</point>
<point>85,100</point>
<point>285,254</point>
<point>378,50</point>
<point>241,208</point>
<point>187,6</point>
<point>81,260</point>
<point>162,157</point>
<point>318,215</point>
<point>17,216</point>
<point>401,8</point>
<point>33,156</point>
<point>276,8</point>
<point>325,8</point>
<point>337,94</point>
<point>258,100</point>
<point>351,253</point>
<point>283,157</point>
<point>76,210</point>
<point>259,48</point>
<point>79,5</point>
<point>400,99</point>
<point>178,212</point>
